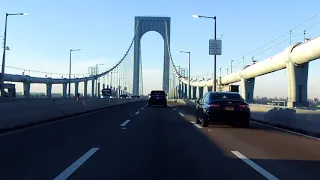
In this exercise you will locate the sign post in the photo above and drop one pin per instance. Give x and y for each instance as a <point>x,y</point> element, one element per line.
<point>215,47</point>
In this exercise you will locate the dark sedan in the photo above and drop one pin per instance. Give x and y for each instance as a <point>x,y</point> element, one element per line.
<point>227,107</point>
<point>157,98</point>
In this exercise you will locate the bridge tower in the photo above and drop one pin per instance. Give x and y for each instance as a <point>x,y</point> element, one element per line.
<point>143,25</point>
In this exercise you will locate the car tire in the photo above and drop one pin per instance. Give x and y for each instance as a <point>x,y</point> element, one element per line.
<point>165,105</point>
<point>204,122</point>
<point>197,119</point>
<point>245,124</point>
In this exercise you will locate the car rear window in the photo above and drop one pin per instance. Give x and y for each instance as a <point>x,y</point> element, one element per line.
<point>226,96</point>
<point>157,93</point>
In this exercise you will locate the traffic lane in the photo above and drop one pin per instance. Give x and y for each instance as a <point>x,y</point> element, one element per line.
<point>285,155</point>
<point>42,152</point>
<point>158,144</point>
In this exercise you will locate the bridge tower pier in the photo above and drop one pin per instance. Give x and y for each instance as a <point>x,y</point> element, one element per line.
<point>247,89</point>
<point>26,89</point>
<point>85,89</point>
<point>142,26</point>
<point>64,90</point>
<point>49,90</point>
<point>298,84</point>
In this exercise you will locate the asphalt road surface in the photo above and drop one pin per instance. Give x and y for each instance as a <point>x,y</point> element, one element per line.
<point>132,141</point>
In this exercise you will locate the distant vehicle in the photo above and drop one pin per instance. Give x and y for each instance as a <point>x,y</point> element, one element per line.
<point>106,93</point>
<point>123,96</point>
<point>157,98</point>
<point>135,96</point>
<point>222,107</point>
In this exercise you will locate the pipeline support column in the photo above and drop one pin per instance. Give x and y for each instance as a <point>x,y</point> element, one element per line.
<point>64,90</point>
<point>85,89</point>
<point>298,85</point>
<point>247,89</point>
<point>92,89</point>
<point>26,89</point>
<point>98,91</point>
<point>76,88</point>
<point>49,90</point>
<point>194,92</point>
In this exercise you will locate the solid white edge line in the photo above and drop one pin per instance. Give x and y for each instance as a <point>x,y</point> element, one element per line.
<point>256,167</point>
<point>198,126</point>
<point>125,123</point>
<point>181,114</point>
<point>74,166</point>
<point>137,112</point>
<point>292,132</point>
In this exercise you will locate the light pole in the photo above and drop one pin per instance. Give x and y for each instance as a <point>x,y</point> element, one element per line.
<point>231,66</point>
<point>120,78</point>
<point>215,56</point>
<point>179,82</point>
<point>189,85</point>
<point>97,90</point>
<point>5,48</point>
<point>71,50</point>
<point>111,78</point>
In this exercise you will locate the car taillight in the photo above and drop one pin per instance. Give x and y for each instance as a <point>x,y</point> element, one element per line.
<point>214,105</point>
<point>243,106</point>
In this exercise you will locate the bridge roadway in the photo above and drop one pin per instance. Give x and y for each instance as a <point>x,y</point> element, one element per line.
<point>157,143</point>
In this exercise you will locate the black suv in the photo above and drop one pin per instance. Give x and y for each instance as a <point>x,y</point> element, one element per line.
<point>157,98</point>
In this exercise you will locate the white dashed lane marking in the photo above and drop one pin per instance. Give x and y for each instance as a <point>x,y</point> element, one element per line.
<point>125,123</point>
<point>256,167</point>
<point>73,167</point>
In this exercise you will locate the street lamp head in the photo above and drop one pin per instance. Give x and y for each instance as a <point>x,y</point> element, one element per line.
<point>75,49</point>
<point>195,16</point>
<point>17,14</point>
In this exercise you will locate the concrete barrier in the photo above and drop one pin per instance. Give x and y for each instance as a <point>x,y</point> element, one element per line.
<point>25,112</point>
<point>307,121</point>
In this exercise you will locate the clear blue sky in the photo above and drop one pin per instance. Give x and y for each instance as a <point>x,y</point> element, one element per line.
<point>104,29</point>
